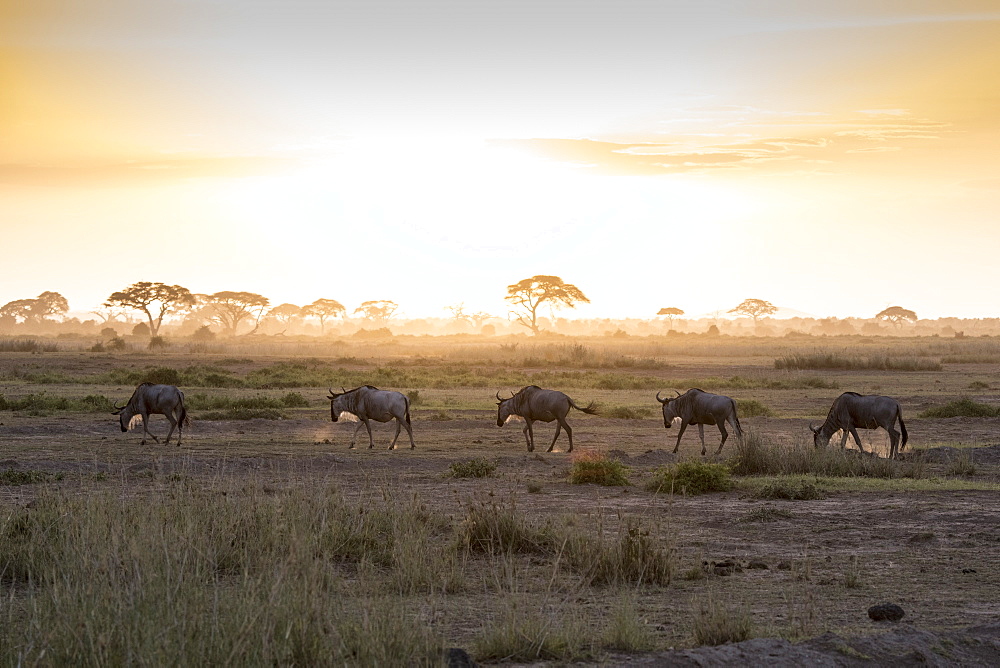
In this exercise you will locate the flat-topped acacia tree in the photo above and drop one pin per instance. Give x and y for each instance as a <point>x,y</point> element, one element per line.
<point>529,294</point>
<point>153,298</point>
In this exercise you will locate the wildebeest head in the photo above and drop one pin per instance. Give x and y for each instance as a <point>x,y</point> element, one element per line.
<point>336,404</point>
<point>819,440</point>
<point>669,409</point>
<point>505,408</point>
<point>124,416</point>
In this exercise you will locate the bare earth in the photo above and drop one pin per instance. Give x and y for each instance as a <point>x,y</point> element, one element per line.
<point>936,553</point>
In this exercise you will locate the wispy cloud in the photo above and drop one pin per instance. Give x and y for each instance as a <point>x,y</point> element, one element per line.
<point>744,141</point>
<point>132,172</point>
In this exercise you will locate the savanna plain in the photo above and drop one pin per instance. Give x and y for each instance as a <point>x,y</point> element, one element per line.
<point>263,539</point>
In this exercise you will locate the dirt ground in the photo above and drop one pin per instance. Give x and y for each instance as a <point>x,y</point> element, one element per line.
<point>932,551</point>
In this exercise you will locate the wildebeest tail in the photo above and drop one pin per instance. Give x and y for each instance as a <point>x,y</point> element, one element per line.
<point>902,428</point>
<point>589,409</point>
<point>407,409</point>
<point>183,418</point>
<point>736,421</point>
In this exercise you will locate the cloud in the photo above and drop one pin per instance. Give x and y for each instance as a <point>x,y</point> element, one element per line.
<point>132,172</point>
<point>807,138</point>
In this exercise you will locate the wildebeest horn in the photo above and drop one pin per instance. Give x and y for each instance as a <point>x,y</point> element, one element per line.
<point>678,393</point>
<point>498,396</point>
<point>117,407</point>
<point>662,401</point>
<point>332,393</point>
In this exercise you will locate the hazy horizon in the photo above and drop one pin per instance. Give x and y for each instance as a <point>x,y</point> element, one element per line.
<point>835,158</point>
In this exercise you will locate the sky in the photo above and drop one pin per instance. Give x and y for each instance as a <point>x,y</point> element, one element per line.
<point>832,157</point>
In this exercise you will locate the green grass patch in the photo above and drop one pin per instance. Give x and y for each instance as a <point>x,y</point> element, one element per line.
<point>43,404</point>
<point>755,456</point>
<point>691,478</point>
<point>797,490</point>
<point>597,469</point>
<point>243,413</point>
<point>753,484</point>
<point>753,408</point>
<point>963,407</point>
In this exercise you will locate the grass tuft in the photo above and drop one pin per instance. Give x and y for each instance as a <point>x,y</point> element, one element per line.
<point>479,467</point>
<point>963,407</point>
<point>691,478</point>
<point>597,469</point>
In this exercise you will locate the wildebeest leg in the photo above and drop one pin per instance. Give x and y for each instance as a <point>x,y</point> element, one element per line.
<point>371,439</point>
<point>354,438</point>
<point>893,442</point>
<point>145,429</point>
<point>392,446</point>
<point>843,441</point>
<point>529,436</point>
<point>857,439</point>
<point>561,424</point>
<point>725,435</point>
<point>701,435</point>
<point>684,425</point>
<point>409,430</point>
<point>173,423</point>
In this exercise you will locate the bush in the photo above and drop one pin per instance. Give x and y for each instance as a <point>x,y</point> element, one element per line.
<point>691,478</point>
<point>964,407</point>
<point>203,334</point>
<point>157,343</point>
<point>597,469</point>
<point>117,344</point>
<point>473,468</point>
<point>627,412</point>
<point>753,408</point>
<point>141,329</point>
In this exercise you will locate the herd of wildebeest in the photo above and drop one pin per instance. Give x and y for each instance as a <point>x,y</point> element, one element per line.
<point>849,412</point>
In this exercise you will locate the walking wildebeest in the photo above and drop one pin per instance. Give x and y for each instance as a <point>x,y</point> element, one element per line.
<point>533,403</point>
<point>699,407</point>
<point>370,403</point>
<point>852,410</point>
<point>149,399</point>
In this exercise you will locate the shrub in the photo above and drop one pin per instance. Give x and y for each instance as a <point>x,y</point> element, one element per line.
<point>495,525</point>
<point>141,329</point>
<point>157,343</point>
<point>473,468</point>
<point>116,344</point>
<point>27,477</point>
<point>414,397</point>
<point>961,464</point>
<point>753,408</point>
<point>597,469</point>
<point>963,407</point>
<point>691,478</point>
<point>635,557</point>
<point>627,412</point>
<point>203,334</point>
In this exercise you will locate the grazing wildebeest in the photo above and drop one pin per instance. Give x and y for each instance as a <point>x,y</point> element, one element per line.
<point>370,403</point>
<point>533,403</point>
<point>867,411</point>
<point>699,407</point>
<point>149,399</point>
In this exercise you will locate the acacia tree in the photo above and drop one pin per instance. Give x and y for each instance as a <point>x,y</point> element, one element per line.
<point>153,298</point>
<point>229,309</point>
<point>531,293</point>
<point>285,313</point>
<point>670,312</point>
<point>323,309</point>
<point>754,308</point>
<point>36,310</point>
<point>377,311</point>
<point>896,315</point>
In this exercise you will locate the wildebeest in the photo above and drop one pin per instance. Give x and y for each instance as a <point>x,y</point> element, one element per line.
<point>149,399</point>
<point>533,403</point>
<point>370,403</point>
<point>852,410</point>
<point>699,407</point>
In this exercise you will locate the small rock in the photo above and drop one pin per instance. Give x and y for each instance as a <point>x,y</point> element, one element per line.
<point>968,570</point>
<point>784,566</point>
<point>757,565</point>
<point>886,612</point>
